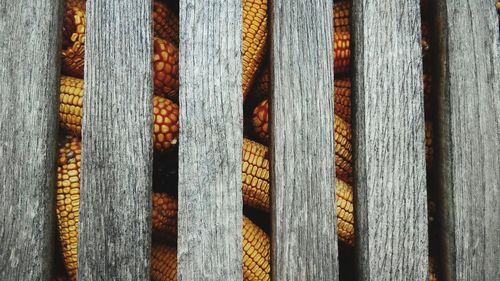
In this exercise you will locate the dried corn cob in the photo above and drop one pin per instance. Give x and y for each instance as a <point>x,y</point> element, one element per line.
<point>260,121</point>
<point>163,263</point>
<point>166,114</point>
<point>73,42</point>
<point>342,51</point>
<point>165,61</point>
<point>165,23</point>
<point>166,69</point>
<point>164,215</point>
<point>345,212</point>
<point>68,201</point>
<point>254,39</point>
<point>256,188</point>
<point>341,12</point>
<point>343,135</point>
<point>262,83</point>
<point>256,252</point>
<point>80,4</point>
<point>255,175</point>
<point>342,99</point>
<point>256,256</point>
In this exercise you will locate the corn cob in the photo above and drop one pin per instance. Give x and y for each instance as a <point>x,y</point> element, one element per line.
<point>80,4</point>
<point>164,215</point>
<point>165,114</point>
<point>254,39</point>
<point>256,256</point>
<point>163,263</point>
<point>68,201</point>
<point>255,175</point>
<point>262,83</point>
<point>165,23</point>
<point>342,52</point>
<point>165,61</point>
<point>74,42</point>
<point>343,137</point>
<point>342,99</point>
<point>256,188</point>
<point>260,121</point>
<point>341,12</point>
<point>166,69</point>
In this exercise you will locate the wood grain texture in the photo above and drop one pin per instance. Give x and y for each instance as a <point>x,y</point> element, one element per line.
<point>469,139</point>
<point>116,175</point>
<point>30,40</point>
<point>303,168</point>
<point>389,160</point>
<point>211,140</point>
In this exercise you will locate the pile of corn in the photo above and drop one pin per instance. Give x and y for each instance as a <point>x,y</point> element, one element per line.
<point>255,166</point>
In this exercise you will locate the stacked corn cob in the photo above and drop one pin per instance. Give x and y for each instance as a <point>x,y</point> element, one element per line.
<point>255,166</point>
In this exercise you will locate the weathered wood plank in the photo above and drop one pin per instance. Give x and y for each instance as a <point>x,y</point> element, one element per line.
<point>469,139</point>
<point>30,39</point>
<point>210,151</point>
<point>303,168</point>
<point>114,230</point>
<point>389,163</point>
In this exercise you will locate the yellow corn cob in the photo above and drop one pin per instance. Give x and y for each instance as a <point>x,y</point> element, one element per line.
<point>165,23</point>
<point>254,39</point>
<point>255,175</point>
<point>165,114</point>
<point>80,4</point>
<point>68,201</point>
<point>166,69</point>
<point>341,11</point>
<point>256,188</point>
<point>345,212</point>
<point>343,135</point>
<point>342,51</point>
<point>74,42</point>
<point>342,99</point>
<point>256,256</point>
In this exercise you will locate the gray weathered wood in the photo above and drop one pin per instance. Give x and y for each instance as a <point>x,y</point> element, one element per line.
<point>469,139</point>
<point>389,164</point>
<point>114,229</point>
<point>30,38</point>
<point>303,168</point>
<point>210,151</point>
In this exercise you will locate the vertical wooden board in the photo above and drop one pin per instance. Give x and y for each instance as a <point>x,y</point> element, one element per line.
<point>115,226</point>
<point>302,147</point>
<point>210,150</point>
<point>30,39</point>
<point>389,160</point>
<point>469,139</point>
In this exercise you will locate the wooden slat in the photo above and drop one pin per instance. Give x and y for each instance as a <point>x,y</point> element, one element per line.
<point>389,164</point>
<point>210,151</point>
<point>469,138</point>
<point>303,170</point>
<point>114,229</point>
<point>30,38</point>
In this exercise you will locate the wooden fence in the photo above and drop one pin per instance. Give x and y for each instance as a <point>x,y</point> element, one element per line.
<point>390,195</point>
